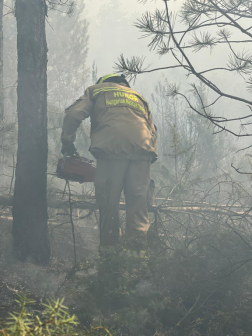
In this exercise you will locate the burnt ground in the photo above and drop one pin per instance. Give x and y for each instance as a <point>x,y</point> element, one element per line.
<point>39,282</point>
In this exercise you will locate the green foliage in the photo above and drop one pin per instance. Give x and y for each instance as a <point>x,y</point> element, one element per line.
<point>54,319</point>
<point>116,291</point>
<point>195,280</point>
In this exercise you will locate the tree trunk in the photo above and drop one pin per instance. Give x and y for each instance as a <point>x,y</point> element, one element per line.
<point>30,231</point>
<point>1,63</point>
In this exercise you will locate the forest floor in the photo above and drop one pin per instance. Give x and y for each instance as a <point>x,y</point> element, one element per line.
<point>37,282</point>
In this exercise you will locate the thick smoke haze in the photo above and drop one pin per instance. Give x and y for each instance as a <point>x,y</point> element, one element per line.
<point>136,248</point>
<point>112,32</point>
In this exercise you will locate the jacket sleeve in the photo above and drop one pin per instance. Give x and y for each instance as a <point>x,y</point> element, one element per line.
<point>75,113</point>
<point>150,119</point>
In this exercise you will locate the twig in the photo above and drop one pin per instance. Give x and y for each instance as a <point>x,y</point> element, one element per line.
<point>72,223</point>
<point>13,174</point>
<point>189,311</point>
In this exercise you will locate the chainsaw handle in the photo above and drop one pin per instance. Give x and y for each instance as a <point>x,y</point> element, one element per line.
<point>75,154</point>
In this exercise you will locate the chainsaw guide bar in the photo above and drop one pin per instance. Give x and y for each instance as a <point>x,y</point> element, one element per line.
<point>76,168</point>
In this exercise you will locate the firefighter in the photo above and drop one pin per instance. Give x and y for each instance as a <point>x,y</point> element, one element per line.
<point>124,142</point>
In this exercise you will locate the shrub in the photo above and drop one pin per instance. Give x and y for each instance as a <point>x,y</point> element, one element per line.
<point>54,319</point>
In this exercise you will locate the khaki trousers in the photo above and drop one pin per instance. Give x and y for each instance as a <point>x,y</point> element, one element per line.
<point>113,176</point>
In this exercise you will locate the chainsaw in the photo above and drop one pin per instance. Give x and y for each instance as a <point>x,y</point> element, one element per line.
<point>76,168</point>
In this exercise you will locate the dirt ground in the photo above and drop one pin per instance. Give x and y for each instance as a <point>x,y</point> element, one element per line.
<point>39,282</point>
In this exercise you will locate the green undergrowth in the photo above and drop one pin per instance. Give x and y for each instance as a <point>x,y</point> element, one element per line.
<point>173,292</point>
<point>185,286</point>
<point>54,319</point>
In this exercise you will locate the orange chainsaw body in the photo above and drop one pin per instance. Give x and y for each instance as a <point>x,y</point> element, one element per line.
<point>76,168</point>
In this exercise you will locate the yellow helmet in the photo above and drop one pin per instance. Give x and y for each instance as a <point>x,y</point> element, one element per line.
<point>103,79</point>
<point>113,78</point>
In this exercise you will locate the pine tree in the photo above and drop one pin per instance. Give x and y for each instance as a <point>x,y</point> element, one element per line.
<point>1,62</point>
<point>30,232</point>
<point>186,142</point>
<point>67,39</point>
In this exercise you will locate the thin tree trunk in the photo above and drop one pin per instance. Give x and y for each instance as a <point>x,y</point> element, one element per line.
<point>30,231</point>
<point>1,63</point>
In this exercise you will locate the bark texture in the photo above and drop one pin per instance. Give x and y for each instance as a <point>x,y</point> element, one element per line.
<point>30,231</point>
<point>1,62</point>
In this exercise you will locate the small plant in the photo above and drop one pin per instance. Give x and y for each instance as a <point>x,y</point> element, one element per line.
<point>54,319</point>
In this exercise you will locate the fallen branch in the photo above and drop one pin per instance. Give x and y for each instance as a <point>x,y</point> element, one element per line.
<point>88,203</point>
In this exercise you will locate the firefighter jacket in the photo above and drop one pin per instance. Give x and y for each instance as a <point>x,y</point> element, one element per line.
<point>121,122</point>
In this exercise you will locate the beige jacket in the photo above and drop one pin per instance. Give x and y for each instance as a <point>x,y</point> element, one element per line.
<point>121,122</point>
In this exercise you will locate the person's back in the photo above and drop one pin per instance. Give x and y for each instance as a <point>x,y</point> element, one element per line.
<point>123,140</point>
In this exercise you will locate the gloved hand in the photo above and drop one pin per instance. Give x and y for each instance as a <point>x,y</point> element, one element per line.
<point>68,148</point>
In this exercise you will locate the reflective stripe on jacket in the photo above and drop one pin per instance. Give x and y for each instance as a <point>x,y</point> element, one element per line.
<point>121,122</point>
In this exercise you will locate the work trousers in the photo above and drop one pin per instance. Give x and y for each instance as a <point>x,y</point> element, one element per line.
<point>132,176</point>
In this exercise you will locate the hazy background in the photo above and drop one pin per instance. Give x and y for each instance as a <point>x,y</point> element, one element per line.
<point>109,25</point>
<point>112,33</point>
